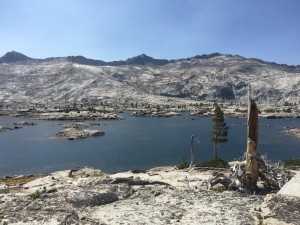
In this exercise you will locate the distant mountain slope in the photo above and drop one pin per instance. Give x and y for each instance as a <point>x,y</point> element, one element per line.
<point>142,78</point>
<point>11,57</point>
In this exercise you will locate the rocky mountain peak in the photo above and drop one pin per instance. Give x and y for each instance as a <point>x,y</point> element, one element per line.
<point>143,59</point>
<point>205,56</point>
<point>85,61</point>
<point>11,57</point>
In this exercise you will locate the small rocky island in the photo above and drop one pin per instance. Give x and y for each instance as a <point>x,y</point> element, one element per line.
<point>294,132</point>
<point>163,195</point>
<point>17,125</point>
<point>3,128</point>
<point>74,131</point>
<point>74,134</point>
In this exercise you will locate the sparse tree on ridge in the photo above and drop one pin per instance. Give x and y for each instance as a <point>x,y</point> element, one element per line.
<point>220,129</point>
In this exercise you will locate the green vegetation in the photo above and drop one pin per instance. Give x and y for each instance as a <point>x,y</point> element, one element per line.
<point>287,110</point>
<point>67,110</point>
<point>91,109</point>
<point>37,194</point>
<point>183,164</point>
<point>270,110</point>
<point>1,220</point>
<point>260,218</point>
<point>220,129</point>
<point>292,163</point>
<point>215,163</point>
<point>14,184</point>
<point>241,110</point>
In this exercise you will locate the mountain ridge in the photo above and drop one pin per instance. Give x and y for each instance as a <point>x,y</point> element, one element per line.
<point>142,59</point>
<point>213,77</point>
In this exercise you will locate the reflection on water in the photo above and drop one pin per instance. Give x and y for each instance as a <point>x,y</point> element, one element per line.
<point>134,143</point>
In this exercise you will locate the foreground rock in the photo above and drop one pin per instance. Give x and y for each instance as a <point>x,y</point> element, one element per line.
<point>278,209</point>
<point>292,187</point>
<point>157,196</point>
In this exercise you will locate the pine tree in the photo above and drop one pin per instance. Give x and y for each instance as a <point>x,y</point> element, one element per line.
<point>219,129</point>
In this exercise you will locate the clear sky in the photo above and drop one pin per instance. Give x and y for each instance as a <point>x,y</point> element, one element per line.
<point>119,29</point>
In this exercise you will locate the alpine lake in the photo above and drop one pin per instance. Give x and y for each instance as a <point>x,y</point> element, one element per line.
<point>135,143</point>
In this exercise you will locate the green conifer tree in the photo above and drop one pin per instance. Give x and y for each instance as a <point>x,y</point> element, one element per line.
<point>219,129</point>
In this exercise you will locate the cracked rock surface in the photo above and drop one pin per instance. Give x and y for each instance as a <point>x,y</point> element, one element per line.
<point>162,195</point>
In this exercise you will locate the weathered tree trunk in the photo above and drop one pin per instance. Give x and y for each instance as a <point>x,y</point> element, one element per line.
<point>215,151</point>
<point>193,158</point>
<point>251,154</point>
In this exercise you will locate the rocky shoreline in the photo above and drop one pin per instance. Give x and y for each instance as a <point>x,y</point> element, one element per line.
<point>172,107</point>
<point>163,195</point>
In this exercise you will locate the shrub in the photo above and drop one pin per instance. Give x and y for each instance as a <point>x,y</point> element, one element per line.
<point>216,163</point>
<point>183,164</point>
<point>288,110</point>
<point>67,110</point>
<point>37,194</point>
<point>1,220</point>
<point>291,162</point>
<point>269,110</point>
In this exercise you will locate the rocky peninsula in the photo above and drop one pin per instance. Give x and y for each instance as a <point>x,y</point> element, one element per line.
<point>163,195</point>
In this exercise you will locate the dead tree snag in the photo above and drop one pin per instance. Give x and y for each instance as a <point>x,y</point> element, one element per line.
<point>250,181</point>
<point>193,158</point>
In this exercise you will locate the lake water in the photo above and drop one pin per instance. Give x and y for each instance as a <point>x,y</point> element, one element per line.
<point>134,143</point>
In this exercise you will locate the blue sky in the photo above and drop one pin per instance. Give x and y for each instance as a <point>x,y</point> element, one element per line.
<point>171,29</point>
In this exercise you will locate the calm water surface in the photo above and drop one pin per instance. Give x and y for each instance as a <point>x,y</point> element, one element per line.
<point>134,143</point>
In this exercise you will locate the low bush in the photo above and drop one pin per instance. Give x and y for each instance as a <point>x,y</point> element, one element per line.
<point>291,163</point>
<point>270,110</point>
<point>288,110</point>
<point>37,194</point>
<point>215,163</point>
<point>1,220</point>
<point>183,164</point>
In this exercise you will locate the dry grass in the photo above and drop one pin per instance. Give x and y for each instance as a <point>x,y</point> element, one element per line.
<point>14,184</point>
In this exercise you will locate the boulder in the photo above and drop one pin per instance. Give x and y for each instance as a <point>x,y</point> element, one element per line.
<point>292,187</point>
<point>82,197</point>
<point>3,189</point>
<point>278,209</point>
